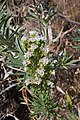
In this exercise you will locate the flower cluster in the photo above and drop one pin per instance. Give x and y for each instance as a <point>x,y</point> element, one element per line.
<point>35,57</point>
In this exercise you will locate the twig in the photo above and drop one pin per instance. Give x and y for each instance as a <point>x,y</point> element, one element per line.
<point>15,68</point>
<point>68,19</point>
<point>57,38</point>
<point>71,66</point>
<point>13,117</point>
<point>34,2</point>
<point>60,40</point>
<point>8,88</point>
<point>50,36</point>
<point>66,32</point>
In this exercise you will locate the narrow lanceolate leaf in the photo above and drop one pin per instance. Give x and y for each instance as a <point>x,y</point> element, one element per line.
<point>79,112</point>
<point>15,62</point>
<point>72,116</point>
<point>1,7</point>
<point>77,39</point>
<point>19,46</point>
<point>72,62</point>
<point>68,58</point>
<point>60,90</point>
<point>12,34</point>
<point>50,36</point>
<point>69,101</point>
<point>1,13</point>
<point>76,47</point>
<point>7,33</point>
<point>7,23</point>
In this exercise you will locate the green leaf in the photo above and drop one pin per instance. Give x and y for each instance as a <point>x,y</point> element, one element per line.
<point>69,101</point>
<point>2,5</point>
<point>19,46</point>
<point>2,21</point>
<point>76,47</point>
<point>15,62</point>
<point>7,23</point>
<point>7,33</point>
<point>78,112</point>
<point>2,39</point>
<point>13,33</point>
<point>72,116</point>
<point>77,39</point>
<point>72,62</point>
<point>2,13</point>
<point>68,58</point>
<point>3,50</point>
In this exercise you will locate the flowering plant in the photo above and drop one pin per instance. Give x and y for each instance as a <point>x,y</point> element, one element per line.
<point>36,62</point>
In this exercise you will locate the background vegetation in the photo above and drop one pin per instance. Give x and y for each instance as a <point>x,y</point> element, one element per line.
<point>39,60</point>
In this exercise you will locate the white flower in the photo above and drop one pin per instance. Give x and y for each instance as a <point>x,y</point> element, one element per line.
<point>55,61</point>
<point>38,81</point>
<point>33,46</point>
<point>27,54</point>
<point>44,60</point>
<point>61,53</point>
<point>32,34</point>
<point>32,39</point>
<point>38,38</point>
<point>27,82</point>
<point>25,68</point>
<point>53,72</point>
<point>24,38</point>
<point>46,49</point>
<point>24,62</point>
<point>40,72</point>
<point>36,75</point>
<point>28,62</point>
<point>51,84</point>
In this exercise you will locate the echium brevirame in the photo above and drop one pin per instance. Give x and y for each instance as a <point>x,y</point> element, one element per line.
<point>36,62</point>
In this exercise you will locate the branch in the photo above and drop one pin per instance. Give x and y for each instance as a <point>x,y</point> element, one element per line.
<point>59,35</point>
<point>8,88</point>
<point>64,33</point>
<point>68,19</point>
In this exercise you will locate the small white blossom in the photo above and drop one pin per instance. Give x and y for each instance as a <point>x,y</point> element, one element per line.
<point>44,60</point>
<point>28,62</point>
<point>39,81</point>
<point>36,75</point>
<point>28,81</point>
<point>55,61</point>
<point>24,62</point>
<point>25,68</point>
<point>46,49</point>
<point>32,39</point>
<point>51,84</point>
<point>27,54</point>
<point>32,33</point>
<point>40,72</point>
<point>33,46</point>
<point>23,38</point>
<point>53,72</point>
<point>34,36</point>
<point>60,53</point>
<point>38,38</point>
